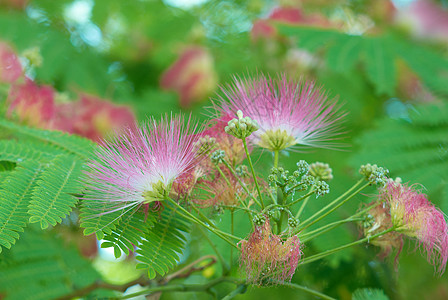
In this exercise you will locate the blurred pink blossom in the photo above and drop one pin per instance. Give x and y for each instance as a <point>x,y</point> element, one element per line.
<point>191,76</point>
<point>264,28</point>
<point>92,117</point>
<point>10,67</point>
<point>427,19</point>
<point>32,104</point>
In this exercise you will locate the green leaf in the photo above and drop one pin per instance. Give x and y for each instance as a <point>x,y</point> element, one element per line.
<point>129,232</point>
<point>15,151</point>
<point>159,251</point>
<point>380,65</point>
<point>415,150</point>
<point>343,56</point>
<point>15,195</point>
<point>53,196</point>
<point>369,294</point>
<point>102,217</point>
<point>41,267</point>
<point>72,144</point>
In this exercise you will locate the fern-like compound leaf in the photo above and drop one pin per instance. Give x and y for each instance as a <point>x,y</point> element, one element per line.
<point>69,143</point>
<point>15,196</point>
<point>40,267</point>
<point>369,294</point>
<point>415,149</point>
<point>53,196</point>
<point>129,232</point>
<point>160,250</point>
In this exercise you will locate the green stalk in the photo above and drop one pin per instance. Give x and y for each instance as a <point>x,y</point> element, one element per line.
<point>307,290</point>
<point>223,175</point>
<point>321,230</point>
<point>231,231</point>
<point>299,213</point>
<point>300,199</point>
<point>193,218</point>
<point>225,267</point>
<point>240,182</point>
<point>337,206</point>
<point>329,252</point>
<point>182,287</point>
<point>301,226</point>
<point>253,172</point>
<point>274,194</point>
<point>241,289</point>
<point>276,152</point>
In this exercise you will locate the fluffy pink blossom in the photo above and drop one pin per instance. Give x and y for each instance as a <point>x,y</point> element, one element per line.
<point>92,117</point>
<point>10,67</point>
<point>379,222</point>
<point>413,215</point>
<point>264,28</point>
<point>192,75</point>
<point>427,19</point>
<point>267,259</point>
<point>32,104</point>
<point>288,113</point>
<point>141,165</point>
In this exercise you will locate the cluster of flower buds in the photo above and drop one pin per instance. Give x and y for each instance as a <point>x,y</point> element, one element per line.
<point>242,171</point>
<point>217,157</point>
<point>300,180</point>
<point>205,144</point>
<point>374,174</point>
<point>242,127</point>
<point>293,222</point>
<point>321,171</point>
<point>259,219</point>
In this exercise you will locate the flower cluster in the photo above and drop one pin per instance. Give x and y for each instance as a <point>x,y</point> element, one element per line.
<point>267,258</point>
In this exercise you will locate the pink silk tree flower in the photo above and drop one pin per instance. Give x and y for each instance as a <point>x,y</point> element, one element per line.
<point>264,28</point>
<point>288,113</point>
<point>192,76</point>
<point>267,259</point>
<point>92,117</point>
<point>414,216</point>
<point>379,219</point>
<point>32,104</point>
<point>140,166</point>
<point>10,67</point>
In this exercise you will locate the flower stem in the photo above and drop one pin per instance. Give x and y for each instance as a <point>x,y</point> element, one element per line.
<point>329,252</point>
<point>253,172</point>
<point>223,175</point>
<point>182,287</point>
<point>299,213</point>
<point>231,231</point>
<point>274,194</point>
<point>276,158</point>
<point>315,233</point>
<point>193,218</point>
<point>225,266</point>
<point>308,222</point>
<point>240,182</point>
<point>308,290</point>
<point>241,289</point>
<point>300,199</point>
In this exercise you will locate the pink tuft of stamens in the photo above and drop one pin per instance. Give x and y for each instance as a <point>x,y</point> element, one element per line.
<point>267,259</point>
<point>131,165</point>
<point>299,113</point>
<point>415,216</point>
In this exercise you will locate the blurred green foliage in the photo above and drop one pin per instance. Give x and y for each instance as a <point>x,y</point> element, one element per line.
<point>119,50</point>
